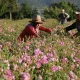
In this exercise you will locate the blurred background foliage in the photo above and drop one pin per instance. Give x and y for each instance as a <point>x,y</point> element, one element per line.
<point>13,10</point>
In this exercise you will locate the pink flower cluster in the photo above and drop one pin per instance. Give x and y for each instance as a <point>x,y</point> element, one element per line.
<point>26,48</point>
<point>25,58</point>
<point>72,76</point>
<point>76,60</point>
<point>8,75</point>
<point>56,68</point>
<point>38,52</point>
<point>0,46</point>
<point>41,58</point>
<point>61,43</point>
<point>79,52</point>
<point>24,76</point>
<point>64,60</point>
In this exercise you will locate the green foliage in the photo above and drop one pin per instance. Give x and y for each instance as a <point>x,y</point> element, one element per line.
<point>25,10</point>
<point>12,5</point>
<point>3,7</point>
<point>11,8</point>
<point>54,9</point>
<point>8,6</point>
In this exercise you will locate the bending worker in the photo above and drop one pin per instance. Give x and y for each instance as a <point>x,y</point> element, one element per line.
<point>32,29</point>
<point>76,24</point>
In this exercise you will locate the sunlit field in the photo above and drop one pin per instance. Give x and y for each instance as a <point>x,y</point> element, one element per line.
<point>55,56</point>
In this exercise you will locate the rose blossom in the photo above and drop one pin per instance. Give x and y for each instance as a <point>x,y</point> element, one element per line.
<point>24,76</point>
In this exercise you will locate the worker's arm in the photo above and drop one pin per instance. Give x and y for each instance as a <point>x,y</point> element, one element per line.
<point>67,15</point>
<point>48,30</point>
<point>73,26</point>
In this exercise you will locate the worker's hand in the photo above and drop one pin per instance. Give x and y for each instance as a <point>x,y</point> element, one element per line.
<point>38,36</point>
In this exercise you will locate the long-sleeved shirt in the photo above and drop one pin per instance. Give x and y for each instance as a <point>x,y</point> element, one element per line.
<point>31,32</point>
<point>73,26</point>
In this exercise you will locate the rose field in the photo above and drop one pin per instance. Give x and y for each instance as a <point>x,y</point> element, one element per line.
<point>55,56</point>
